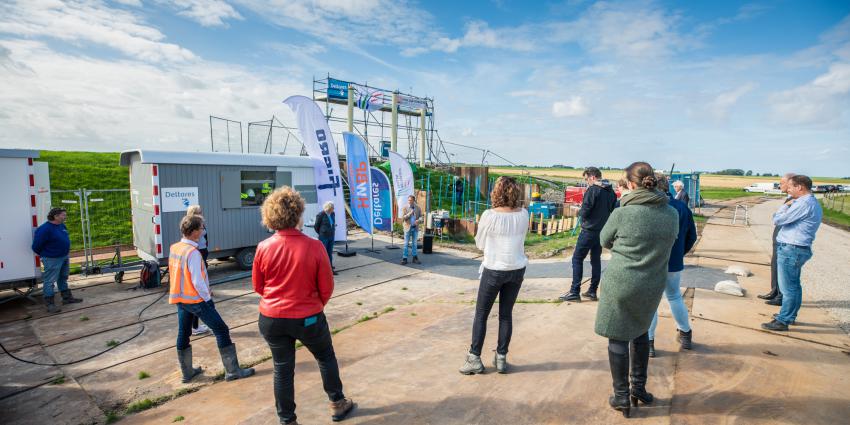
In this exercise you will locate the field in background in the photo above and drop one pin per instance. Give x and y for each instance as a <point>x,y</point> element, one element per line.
<point>706,180</point>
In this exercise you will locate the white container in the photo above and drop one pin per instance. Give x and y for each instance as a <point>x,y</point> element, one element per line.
<point>18,264</point>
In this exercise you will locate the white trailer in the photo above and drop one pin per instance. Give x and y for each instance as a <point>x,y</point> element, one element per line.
<point>19,266</point>
<point>229,187</point>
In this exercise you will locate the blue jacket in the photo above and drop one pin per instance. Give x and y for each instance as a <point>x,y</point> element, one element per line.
<point>51,240</point>
<point>687,236</point>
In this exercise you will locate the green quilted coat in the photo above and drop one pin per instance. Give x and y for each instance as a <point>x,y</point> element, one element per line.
<point>640,235</point>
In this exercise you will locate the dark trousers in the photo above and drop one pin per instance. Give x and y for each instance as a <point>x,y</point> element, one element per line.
<point>204,253</point>
<point>207,313</point>
<point>588,242</point>
<point>622,347</point>
<point>281,335</point>
<point>774,276</point>
<point>505,285</point>
<point>329,247</point>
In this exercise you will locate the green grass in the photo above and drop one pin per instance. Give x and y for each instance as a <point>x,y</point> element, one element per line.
<point>59,380</point>
<point>140,405</point>
<point>700,218</point>
<point>537,245</point>
<point>178,419</point>
<point>144,375</point>
<point>836,217</point>
<point>84,319</point>
<point>723,193</point>
<point>112,417</point>
<point>112,343</point>
<point>110,219</point>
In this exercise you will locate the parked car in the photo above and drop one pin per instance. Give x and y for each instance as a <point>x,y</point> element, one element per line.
<point>761,187</point>
<point>825,188</point>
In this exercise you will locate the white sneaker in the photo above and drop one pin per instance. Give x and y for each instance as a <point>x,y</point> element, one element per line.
<point>201,329</point>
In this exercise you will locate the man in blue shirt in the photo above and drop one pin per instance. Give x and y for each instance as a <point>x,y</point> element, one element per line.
<point>52,243</point>
<point>800,218</point>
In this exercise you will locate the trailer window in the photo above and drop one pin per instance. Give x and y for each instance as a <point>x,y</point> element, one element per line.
<point>256,186</point>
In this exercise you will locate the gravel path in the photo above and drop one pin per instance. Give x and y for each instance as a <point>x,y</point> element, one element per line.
<point>826,277</point>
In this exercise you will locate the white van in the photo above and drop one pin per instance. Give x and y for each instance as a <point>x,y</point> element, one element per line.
<point>761,187</point>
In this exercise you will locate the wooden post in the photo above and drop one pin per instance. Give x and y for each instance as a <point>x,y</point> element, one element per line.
<point>540,229</point>
<point>531,222</point>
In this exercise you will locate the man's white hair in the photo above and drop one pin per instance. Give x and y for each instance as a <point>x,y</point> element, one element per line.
<point>678,183</point>
<point>328,205</point>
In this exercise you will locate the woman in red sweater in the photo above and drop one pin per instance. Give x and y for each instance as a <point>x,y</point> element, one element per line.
<point>292,274</point>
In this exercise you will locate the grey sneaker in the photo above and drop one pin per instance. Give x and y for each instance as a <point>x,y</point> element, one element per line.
<point>501,363</point>
<point>473,365</point>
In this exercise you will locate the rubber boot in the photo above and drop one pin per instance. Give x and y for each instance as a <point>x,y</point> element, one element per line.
<point>231,364</point>
<point>685,339</point>
<point>472,366</point>
<point>501,363</point>
<point>340,409</point>
<point>51,306</point>
<point>652,348</point>
<point>619,364</point>
<point>640,366</point>
<point>67,298</point>
<point>184,357</point>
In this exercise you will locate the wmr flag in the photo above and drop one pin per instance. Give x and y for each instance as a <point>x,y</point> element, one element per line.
<point>359,180</point>
<point>382,201</point>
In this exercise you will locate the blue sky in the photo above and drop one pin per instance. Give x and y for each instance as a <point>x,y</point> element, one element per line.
<point>707,85</point>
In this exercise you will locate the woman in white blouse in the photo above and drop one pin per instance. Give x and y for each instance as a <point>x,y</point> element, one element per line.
<point>501,235</point>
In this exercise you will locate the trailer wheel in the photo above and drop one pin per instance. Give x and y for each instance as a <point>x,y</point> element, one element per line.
<point>245,258</point>
<point>119,277</point>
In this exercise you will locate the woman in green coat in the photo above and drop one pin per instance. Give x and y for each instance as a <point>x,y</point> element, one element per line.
<point>639,234</point>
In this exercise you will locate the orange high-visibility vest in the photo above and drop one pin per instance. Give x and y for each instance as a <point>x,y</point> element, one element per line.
<point>179,277</point>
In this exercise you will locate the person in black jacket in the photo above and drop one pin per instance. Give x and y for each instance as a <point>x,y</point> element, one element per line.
<point>325,227</point>
<point>599,201</point>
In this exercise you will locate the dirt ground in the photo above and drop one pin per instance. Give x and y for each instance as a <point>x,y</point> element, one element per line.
<point>401,332</point>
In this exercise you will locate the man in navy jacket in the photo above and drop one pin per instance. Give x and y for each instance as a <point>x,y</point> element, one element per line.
<point>596,206</point>
<point>52,243</point>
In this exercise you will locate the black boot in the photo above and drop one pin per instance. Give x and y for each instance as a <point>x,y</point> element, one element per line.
<point>777,301</point>
<point>685,338</point>
<point>67,298</point>
<point>651,348</point>
<point>640,365</point>
<point>184,357</point>
<point>619,364</point>
<point>770,295</point>
<point>232,370</point>
<point>51,306</point>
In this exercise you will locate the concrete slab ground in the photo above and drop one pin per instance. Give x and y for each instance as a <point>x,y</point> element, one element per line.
<point>401,334</point>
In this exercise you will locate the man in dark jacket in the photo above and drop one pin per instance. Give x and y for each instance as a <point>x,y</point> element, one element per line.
<point>52,243</point>
<point>596,207</point>
<point>774,297</point>
<point>325,227</point>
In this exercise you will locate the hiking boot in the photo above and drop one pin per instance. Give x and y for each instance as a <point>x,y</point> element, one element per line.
<point>51,305</point>
<point>184,357</point>
<point>472,366</point>
<point>775,325</point>
<point>67,298</point>
<point>777,301</point>
<point>403,261</point>
<point>590,295</point>
<point>340,409</point>
<point>232,370</point>
<point>570,296</point>
<point>416,260</point>
<point>651,348</point>
<point>685,338</point>
<point>501,363</point>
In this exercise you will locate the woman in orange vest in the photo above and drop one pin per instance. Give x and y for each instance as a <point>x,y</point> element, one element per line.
<point>190,290</point>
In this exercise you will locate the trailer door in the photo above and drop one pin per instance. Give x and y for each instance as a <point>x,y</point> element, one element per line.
<point>17,261</point>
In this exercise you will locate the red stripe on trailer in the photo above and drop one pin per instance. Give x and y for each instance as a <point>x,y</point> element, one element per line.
<point>157,229</point>
<point>37,261</point>
<point>156,210</point>
<point>2,265</point>
<point>155,170</point>
<point>159,248</point>
<point>32,200</point>
<point>32,180</point>
<point>29,161</point>
<point>34,221</point>
<point>155,190</point>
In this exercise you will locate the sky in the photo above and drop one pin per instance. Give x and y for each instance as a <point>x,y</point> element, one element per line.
<point>706,85</point>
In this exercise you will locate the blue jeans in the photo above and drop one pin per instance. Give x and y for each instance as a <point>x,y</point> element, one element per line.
<point>789,264</point>
<point>677,305</point>
<point>56,271</point>
<point>588,242</point>
<point>410,236</point>
<point>207,313</point>
<point>329,247</point>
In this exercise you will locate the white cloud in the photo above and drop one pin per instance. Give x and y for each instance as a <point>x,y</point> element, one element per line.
<point>822,101</point>
<point>572,107</point>
<point>89,21</point>
<point>719,107</point>
<point>209,13</point>
<point>93,104</point>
